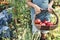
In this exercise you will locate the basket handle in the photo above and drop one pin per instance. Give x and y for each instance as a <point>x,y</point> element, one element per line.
<point>57,19</point>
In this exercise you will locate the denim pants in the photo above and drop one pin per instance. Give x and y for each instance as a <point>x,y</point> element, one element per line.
<point>4,31</point>
<point>43,15</point>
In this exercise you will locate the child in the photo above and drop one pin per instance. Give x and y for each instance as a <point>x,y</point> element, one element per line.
<point>37,6</point>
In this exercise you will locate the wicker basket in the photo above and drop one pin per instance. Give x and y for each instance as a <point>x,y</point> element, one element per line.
<point>49,27</point>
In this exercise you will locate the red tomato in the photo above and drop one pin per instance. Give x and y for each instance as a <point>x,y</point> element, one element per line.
<point>49,24</point>
<point>43,24</point>
<point>37,21</point>
<point>46,22</point>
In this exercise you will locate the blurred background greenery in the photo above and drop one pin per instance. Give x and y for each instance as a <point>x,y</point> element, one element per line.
<point>21,13</point>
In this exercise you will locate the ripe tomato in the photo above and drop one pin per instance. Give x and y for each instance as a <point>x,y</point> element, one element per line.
<point>37,21</point>
<point>49,24</point>
<point>43,24</point>
<point>45,21</point>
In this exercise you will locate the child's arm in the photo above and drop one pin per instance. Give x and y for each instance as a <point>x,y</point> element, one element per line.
<point>36,7</point>
<point>50,6</point>
<point>30,4</point>
<point>51,3</point>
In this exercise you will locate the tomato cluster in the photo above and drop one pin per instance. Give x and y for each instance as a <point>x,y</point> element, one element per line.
<point>44,23</point>
<point>48,23</point>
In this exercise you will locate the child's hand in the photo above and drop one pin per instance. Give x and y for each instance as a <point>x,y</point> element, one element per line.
<point>37,9</point>
<point>50,9</point>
